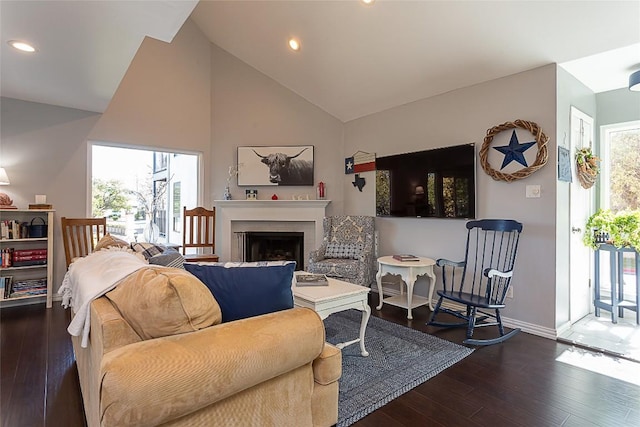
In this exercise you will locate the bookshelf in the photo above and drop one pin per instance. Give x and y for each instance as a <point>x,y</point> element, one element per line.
<point>26,239</point>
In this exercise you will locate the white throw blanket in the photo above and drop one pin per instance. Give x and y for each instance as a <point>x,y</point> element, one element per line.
<point>91,277</point>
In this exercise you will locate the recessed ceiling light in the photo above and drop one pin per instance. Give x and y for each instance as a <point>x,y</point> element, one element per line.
<point>367,2</point>
<point>23,46</point>
<point>294,44</point>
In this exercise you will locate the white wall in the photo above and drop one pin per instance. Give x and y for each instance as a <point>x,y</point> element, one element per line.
<point>248,108</point>
<point>459,117</point>
<point>163,101</point>
<point>44,151</point>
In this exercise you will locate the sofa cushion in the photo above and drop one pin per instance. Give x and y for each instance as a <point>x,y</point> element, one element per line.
<point>108,241</point>
<point>168,258</point>
<point>247,289</point>
<point>161,301</point>
<point>147,249</point>
<point>344,250</point>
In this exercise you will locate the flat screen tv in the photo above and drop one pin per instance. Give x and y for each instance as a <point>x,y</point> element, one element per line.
<point>438,183</point>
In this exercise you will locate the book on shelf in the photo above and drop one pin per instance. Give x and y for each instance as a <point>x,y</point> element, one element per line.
<point>406,257</point>
<point>5,286</point>
<point>29,252</point>
<point>28,287</point>
<point>40,206</point>
<point>29,263</point>
<point>310,279</point>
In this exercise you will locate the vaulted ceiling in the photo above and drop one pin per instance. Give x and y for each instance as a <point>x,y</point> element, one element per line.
<point>355,59</point>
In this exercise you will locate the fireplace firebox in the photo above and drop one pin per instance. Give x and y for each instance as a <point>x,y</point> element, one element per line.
<point>274,246</point>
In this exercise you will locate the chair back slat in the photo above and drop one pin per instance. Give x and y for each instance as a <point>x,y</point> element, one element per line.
<point>80,236</point>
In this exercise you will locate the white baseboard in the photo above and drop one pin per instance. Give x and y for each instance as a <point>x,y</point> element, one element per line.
<point>529,328</point>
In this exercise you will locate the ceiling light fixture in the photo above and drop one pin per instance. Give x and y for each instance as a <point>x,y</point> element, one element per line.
<point>294,44</point>
<point>23,46</point>
<point>634,81</point>
<point>367,2</point>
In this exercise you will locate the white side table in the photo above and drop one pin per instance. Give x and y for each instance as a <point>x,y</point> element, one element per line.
<point>409,271</point>
<point>338,296</point>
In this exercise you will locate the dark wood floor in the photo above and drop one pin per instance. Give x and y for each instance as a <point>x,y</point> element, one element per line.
<point>516,383</point>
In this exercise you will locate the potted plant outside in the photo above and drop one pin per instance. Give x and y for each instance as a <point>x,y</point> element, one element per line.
<point>621,229</point>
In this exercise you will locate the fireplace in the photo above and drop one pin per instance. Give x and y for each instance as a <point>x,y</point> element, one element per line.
<point>274,246</point>
<point>236,217</point>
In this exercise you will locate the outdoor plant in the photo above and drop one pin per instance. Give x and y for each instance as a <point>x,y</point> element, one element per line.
<point>587,168</point>
<point>622,228</point>
<point>587,162</point>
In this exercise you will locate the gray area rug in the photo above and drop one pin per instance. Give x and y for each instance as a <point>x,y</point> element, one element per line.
<point>399,359</point>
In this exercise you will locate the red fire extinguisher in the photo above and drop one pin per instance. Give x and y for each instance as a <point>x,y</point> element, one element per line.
<point>321,190</point>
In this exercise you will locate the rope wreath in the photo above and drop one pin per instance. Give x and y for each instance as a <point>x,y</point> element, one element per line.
<point>541,156</point>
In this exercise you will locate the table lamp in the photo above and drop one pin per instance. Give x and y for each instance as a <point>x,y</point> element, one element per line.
<point>5,201</point>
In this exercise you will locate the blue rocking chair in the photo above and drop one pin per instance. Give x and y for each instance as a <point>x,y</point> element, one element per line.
<point>482,280</point>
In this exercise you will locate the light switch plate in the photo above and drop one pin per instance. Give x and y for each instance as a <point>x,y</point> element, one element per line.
<point>533,191</point>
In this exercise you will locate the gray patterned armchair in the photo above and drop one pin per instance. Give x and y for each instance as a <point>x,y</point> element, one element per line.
<point>347,250</point>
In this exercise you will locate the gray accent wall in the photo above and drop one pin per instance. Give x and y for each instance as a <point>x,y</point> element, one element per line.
<point>460,117</point>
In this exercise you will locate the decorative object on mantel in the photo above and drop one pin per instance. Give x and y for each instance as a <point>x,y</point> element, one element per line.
<point>233,171</point>
<point>274,197</point>
<point>586,167</point>
<point>360,161</point>
<point>320,191</point>
<point>251,194</point>
<point>515,150</point>
<point>276,165</point>
<point>358,182</point>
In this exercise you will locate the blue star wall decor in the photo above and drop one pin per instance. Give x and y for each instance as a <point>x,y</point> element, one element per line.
<point>514,151</point>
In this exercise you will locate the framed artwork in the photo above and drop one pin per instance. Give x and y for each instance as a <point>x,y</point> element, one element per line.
<point>251,194</point>
<point>564,164</point>
<point>275,165</point>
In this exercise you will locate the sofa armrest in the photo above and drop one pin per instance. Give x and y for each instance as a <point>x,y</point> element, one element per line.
<point>162,379</point>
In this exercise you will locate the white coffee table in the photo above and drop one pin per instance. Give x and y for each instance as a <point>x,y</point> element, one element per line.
<point>409,271</point>
<point>338,296</point>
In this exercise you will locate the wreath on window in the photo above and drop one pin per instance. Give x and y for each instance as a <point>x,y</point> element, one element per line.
<point>541,156</point>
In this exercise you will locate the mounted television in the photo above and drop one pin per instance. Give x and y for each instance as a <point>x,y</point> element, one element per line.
<point>438,183</point>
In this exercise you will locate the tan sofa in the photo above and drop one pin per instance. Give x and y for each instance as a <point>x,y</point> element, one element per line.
<point>158,355</point>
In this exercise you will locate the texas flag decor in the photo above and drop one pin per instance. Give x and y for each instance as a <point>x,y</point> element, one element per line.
<point>360,162</point>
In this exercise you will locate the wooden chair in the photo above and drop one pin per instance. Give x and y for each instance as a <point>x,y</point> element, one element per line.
<point>80,236</point>
<point>480,283</point>
<point>199,231</point>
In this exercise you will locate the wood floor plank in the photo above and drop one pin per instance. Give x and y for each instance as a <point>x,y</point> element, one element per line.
<point>516,383</point>
<point>26,404</point>
<point>62,399</point>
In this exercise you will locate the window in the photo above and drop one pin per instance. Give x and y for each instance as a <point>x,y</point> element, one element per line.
<point>620,180</point>
<point>131,186</point>
<point>620,151</point>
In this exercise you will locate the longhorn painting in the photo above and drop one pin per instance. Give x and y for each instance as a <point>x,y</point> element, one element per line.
<point>284,165</point>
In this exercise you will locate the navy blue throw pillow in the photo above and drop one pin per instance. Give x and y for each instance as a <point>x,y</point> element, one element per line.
<point>247,289</point>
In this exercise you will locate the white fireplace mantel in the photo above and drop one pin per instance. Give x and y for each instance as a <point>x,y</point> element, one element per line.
<point>229,211</point>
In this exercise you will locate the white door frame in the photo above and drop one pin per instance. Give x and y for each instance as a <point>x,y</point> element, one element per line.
<point>580,207</point>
